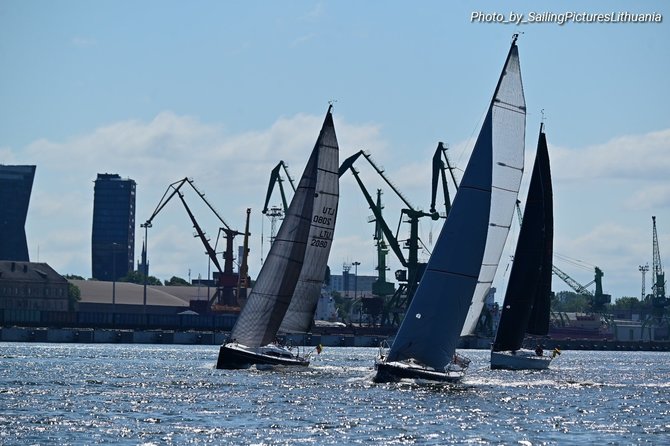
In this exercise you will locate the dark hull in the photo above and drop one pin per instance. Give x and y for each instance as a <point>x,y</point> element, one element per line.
<point>394,372</point>
<point>239,358</point>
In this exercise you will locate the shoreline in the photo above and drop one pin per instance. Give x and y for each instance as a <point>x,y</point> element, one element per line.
<point>195,337</point>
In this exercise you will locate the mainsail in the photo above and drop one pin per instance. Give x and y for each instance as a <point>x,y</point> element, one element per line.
<point>508,123</point>
<point>271,295</point>
<point>527,299</point>
<point>467,247</point>
<point>300,314</point>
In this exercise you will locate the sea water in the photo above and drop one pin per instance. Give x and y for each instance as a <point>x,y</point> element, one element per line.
<point>170,394</point>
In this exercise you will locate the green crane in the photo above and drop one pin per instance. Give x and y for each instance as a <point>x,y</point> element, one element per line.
<point>659,301</point>
<point>409,277</point>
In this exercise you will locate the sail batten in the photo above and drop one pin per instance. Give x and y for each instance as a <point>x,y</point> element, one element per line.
<point>273,292</point>
<point>526,304</point>
<point>300,313</point>
<point>507,137</point>
<point>471,235</point>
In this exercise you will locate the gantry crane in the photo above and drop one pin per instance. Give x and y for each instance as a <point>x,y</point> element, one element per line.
<point>659,301</point>
<point>224,297</point>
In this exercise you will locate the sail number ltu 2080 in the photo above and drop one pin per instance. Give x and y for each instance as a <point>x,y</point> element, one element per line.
<point>321,235</point>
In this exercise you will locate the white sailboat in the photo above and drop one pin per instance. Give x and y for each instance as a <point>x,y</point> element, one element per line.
<point>425,345</point>
<point>527,300</point>
<point>302,243</point>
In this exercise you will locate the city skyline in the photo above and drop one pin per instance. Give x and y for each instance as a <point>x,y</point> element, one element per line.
<point>222,91</point>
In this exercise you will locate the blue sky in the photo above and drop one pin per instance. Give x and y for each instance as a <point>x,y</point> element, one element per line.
<point>220,91</point>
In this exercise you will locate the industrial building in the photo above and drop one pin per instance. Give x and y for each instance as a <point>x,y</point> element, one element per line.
<point>27,286</point>
<point>113,237</point>
<point>16,183</point>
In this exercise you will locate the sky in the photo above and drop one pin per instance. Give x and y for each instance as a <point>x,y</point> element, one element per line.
<point>221,91</point>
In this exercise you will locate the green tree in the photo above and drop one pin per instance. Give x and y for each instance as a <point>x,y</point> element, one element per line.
<point>570,302</point>
<point>628,304</point>
<point>73,277</point>
<point>176,281</point>
<point>343,306</point>
<point>138,278</point>
<point>73,296</point>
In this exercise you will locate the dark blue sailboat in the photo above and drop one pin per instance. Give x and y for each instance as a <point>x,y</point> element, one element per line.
<point>425,345</point>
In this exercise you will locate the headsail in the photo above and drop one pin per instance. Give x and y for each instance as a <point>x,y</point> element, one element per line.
<point>270,297</point>
<point>539,318</point>
<point>508,110</point>
<point>298,318</point>
<point>527,289</point>
<point>527,301</point>
<point>480,216</point>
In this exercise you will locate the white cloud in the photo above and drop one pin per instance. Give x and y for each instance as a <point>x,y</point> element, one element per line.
<point>232,170</point>
<point>602,215</point>
<point>637,157</point>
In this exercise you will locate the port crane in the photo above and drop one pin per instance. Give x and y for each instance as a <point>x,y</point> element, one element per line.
<point>275,213</point>
<point>597,299</point>
<point>410,276</point>
<point>385,238</point>
<point>224,298</point>
<point>659,301</point>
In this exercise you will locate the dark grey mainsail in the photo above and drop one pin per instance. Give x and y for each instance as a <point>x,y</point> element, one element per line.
<point>482,212</point>
<point>271,295</point>
<point>300,314</point>
<point>527,298</point>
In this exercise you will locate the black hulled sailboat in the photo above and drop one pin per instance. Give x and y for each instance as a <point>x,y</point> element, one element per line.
<point>298,253</point>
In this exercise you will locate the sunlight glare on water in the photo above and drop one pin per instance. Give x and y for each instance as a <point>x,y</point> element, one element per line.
<point>171,394</point>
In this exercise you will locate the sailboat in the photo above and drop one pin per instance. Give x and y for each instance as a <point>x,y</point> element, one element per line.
<point>527,300</point>
<point>425,345</point>
<point>303,240</point>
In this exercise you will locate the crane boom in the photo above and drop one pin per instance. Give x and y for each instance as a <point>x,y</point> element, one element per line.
<point>439,168</point>
<point>392,240</point>
<point>276,178</point>
<point>658,275</point>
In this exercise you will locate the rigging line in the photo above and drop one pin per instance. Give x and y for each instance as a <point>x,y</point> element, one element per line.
<point>572,259</point>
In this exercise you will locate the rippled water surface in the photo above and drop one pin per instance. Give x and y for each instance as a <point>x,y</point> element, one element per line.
<point>157,394</point>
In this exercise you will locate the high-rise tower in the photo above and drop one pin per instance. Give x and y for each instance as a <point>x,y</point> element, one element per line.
<point>16,184</point>
<point>113,239</point>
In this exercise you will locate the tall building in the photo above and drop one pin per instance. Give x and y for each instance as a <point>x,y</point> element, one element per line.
<point>113,239</point>
<point>16,184</point>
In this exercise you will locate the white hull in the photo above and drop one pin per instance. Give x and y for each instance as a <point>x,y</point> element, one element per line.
<point>519,360</point>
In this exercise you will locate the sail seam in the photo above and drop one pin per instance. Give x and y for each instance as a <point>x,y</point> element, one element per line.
<point>504,189</point>
<point>510,107</point>
<point>321,169</point>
